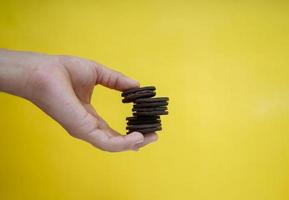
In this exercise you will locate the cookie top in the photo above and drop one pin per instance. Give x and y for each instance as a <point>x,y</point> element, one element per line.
<point>141,94</point>
<point>133,90</point>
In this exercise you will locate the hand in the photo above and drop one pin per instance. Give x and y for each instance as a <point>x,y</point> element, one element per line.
<point>62,87</point>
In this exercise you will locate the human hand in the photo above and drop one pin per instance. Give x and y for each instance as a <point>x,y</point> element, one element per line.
<point>62,87</point>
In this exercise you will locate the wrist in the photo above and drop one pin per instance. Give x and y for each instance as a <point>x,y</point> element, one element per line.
<point>16,69</point>
<point>12,72</point>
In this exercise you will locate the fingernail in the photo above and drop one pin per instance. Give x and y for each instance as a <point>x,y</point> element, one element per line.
<point>154,139</point>
<point>137,137</point>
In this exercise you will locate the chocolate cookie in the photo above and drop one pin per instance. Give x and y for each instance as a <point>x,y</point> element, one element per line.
<point>141,94</point>
<point>150,113</point>
<point>144,122</point>
<point>142,126</point>
<point>150,100</point>
<point>134,90</point>
<point>149,109</point>
<point>150,105</point>
<point>134,118</point>
<point>147,130</point>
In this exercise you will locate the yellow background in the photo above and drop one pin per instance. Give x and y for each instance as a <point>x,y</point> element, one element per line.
<point>225,67</point>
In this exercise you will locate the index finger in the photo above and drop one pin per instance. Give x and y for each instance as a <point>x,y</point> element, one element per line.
<point>113,79</point>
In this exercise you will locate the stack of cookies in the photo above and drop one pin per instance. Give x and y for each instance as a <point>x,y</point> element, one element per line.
<point>146,109</point>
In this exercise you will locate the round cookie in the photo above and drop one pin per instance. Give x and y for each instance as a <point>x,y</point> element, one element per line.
<point>142,118</point>
<point>133,90</point>
<point>142,94</point>
<point>149,109</point>
<point>142,126</point>
<point>151,113</point>
<point>150,100</point>
<point>149,105</point>
<point>144,122</point>
<point>147,130</point>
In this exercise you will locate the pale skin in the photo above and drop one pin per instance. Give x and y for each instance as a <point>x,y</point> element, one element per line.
<point>62,87</point>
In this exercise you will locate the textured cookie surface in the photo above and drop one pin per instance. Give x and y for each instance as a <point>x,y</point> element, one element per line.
<point>134,118</point>
<point>149,100</point>
<point>150,105</point>
<point>144,122</point>
<point>141,94</point>
<point>148,130</point>
<point>134,90</point>
<point>151,113</point>
<point>149,109</point>
<point>142,126</point>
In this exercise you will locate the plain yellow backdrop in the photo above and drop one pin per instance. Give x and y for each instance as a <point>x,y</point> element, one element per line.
<point>225,67</point>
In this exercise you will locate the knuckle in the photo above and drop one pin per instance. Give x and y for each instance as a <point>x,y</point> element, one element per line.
<point>65,59</point>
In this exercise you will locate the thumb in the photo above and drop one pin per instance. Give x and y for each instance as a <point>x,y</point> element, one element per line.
<point>114,143</point>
